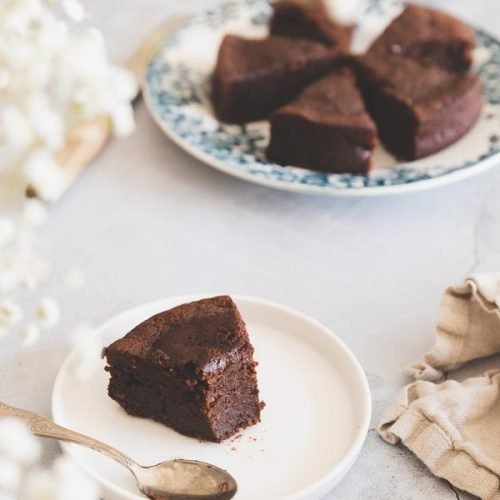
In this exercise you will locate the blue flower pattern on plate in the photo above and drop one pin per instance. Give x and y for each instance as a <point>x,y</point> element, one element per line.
<point>177,93</point>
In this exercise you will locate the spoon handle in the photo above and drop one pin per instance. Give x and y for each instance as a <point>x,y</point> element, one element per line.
<point>44,427</point>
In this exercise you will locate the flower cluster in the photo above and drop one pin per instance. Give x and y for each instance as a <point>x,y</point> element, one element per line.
<point>22,268</point>
<point>21,476</point>
<point>54,73</point>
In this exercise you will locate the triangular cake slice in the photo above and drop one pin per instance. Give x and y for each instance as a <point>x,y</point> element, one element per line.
<point>326,128</point>
<point>190,368</point>
<point>427,34</point>
<point>254,77</point>
<point>418,107</point>
<point>309,19</point>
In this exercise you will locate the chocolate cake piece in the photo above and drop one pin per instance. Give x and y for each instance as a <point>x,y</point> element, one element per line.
<point>418,107</point>
<point>326,128</point>
<point>430,35</point>
<point>309,19</point>
<point>190,368</point>
<point>254,77</point>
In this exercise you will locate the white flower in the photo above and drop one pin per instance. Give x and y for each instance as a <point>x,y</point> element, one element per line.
<point>44,174</point>
<point>31,270</point>
<point>19,14</point>
<point>21,478</point>
<point>15,126</point>
<point>95,35</point>
<point>40,484</point>
<point>65,481</point>
<point>10,475</point>
<point>124,84</point>
<point>47,124</point>
<point>122,119</point>
<point>7,230</point>
<point>20,265</point>
<point>10,312</point>
<point>50,39</point>
<point>29,333</point>
<point>51,78</point>
<point>48,313</point>
<point>74,10</point>
<point>74,279</point>
<point>17,443</point>
<point>72,482</point>
<point>34,212</point>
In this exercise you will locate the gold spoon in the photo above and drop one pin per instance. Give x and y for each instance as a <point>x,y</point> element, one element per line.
<point>173,480</point>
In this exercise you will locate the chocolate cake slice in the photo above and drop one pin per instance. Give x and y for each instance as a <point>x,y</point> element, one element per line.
<point>309,19</point>
<point>427,34</point>
<point>418,107</point>
<point>326,128</point>
<point>190,368</point>
<point>254,77</point>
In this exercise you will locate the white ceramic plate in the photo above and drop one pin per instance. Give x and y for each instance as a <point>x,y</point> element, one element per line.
<point>178,88</point>
<point>313,427</point>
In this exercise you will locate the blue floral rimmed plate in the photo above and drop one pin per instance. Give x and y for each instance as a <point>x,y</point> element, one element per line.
<point>178,88</point>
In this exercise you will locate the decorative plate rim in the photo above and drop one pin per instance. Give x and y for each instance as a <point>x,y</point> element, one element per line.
<point>404,178</point>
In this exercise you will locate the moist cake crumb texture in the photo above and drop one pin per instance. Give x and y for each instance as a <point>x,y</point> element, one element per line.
<point>190,368</point>
<point>326,128</point>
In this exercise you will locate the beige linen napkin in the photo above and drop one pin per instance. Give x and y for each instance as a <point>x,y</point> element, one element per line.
<point>454,428</point>
<point>468,328</point>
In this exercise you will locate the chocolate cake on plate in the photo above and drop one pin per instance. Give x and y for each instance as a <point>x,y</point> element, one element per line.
<point>418,107</point>
<point>253,77</point>
<point>430,35</point>
<point>190,368</point>
<point>326,128</point>
<point>309,19</point>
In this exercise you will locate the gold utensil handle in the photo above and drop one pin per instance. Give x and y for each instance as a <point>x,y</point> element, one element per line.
<point>43,427</point>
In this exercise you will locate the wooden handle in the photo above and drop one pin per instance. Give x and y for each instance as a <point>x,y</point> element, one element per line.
<point>83,144</point>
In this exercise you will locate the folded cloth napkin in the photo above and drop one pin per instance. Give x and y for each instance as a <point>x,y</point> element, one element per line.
<point>454,428</point>
<point>468,328</point>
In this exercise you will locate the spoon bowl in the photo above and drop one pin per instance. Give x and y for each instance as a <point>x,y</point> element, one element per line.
<point>185,480</point>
